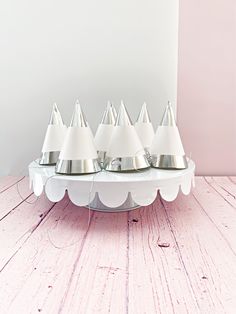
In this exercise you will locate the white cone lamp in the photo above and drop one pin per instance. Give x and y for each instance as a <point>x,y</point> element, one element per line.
<point>54,138</point>
<point>167,151</point>
<point>78,154</point>
<point>125,152</point>
<point>104,132</point>
<point>144,128</point>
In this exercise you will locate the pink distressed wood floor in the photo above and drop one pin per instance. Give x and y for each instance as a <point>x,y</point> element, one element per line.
<point>175,257</point>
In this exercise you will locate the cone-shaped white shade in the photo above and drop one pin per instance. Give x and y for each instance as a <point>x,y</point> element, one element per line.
<point>124,140</point>
<point>55,133</point>
<point>144,127</point>
<point>78,143</point>
<point>167,141</point>
<point>125,145</point>
<point>78,154</point>
<point>103,137</point>
<point>54,138</point>
<point>167,150</point>
<point>78,118</point>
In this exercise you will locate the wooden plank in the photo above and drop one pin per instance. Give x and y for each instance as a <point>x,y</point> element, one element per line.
<point>232,179</point>
<point>10,198</point>
<point>18,226</point>
<point>166,258</point>
<point>99,277</point>
<point>38,276</point>
<point>9,181</point>
<point>157,280</point>
<point>218,210</point>
<point>225,188</point>
<point>208,259</point>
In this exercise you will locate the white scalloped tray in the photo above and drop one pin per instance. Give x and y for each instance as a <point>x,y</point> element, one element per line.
<point>112,191</point>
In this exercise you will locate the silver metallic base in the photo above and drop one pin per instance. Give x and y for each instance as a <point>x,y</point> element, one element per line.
<point>101,157</point>
<point>147,152</point>
<point>121,164</point>
<point>75,167</point>
<point>49,158</point>
<point>169,162</point>
<point>97,205</point>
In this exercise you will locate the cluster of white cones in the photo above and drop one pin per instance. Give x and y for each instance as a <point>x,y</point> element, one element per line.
<point>117,146</point>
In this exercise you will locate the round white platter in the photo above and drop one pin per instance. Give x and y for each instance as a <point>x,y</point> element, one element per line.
<point>110,191</point>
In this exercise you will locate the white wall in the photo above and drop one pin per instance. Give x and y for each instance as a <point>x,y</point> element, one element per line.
<point>90,50</point>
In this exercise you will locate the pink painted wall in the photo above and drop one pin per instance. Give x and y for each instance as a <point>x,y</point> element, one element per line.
<point>207,84</point>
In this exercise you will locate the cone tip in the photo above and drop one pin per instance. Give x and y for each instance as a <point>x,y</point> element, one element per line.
<point>55,118</point>
<point>113,110</point>
<point>108,115</point>
<point>143,116</point>
<point>109,105</point>
<point>78,109</point>
<point>122,104</point>
<point>54,106</point>
<point>168,118</point>
<point>77,105</point>
<point>78,118</point>
<point>123,116</point>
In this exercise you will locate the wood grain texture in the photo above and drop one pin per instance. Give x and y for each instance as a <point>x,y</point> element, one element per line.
<point>174,257</point>
<point>226,187</point>
<point>14,195</point>
<point>7,182</point>
<point>207,256</point>
<point>156,270</point>
<point>218,209</point>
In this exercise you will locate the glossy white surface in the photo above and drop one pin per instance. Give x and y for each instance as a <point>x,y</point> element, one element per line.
<point>112,188</point>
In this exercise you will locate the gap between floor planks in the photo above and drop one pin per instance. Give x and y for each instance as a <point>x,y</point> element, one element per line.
<point>60,264</point>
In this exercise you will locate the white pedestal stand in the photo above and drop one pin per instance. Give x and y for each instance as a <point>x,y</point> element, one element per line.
<point>109,191</point>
